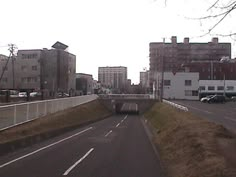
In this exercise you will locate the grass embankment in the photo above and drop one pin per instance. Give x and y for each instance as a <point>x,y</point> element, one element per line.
<point>190,146</point>
<point>63,120</point>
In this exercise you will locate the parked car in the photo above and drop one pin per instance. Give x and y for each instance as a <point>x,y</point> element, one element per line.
<point>233,98</point>
<point>22,94</point>
<point>205,99</point>
<point>34,94</point>
<point>217,99</point>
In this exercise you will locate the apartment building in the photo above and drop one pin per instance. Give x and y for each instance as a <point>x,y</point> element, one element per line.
<point>51,70</point>
<point>113,77</point>
<point>171,56</point>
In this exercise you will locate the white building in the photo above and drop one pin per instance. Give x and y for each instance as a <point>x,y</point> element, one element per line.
<point>180,85</point>
<point>208,87</point>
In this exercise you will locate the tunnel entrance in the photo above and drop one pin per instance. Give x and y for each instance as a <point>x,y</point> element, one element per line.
<point>127,108</point>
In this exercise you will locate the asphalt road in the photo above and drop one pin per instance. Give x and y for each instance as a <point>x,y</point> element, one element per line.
<point>114,147</point>
<point>224,114</point>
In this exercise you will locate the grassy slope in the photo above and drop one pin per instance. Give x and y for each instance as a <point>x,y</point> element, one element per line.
<point>69,118</point>
<point>188,144</point>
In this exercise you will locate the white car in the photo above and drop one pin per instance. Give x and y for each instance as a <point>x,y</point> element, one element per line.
<point>205,99</point>
<point>22,94</point>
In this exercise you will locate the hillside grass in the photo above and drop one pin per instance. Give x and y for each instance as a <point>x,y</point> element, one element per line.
<point>189,145</point>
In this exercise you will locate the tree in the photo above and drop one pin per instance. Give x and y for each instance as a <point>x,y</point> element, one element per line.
<point>218,11</point>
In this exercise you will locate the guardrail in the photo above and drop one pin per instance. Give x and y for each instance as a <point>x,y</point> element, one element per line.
<point>16,114</point>
<point>183,108</point>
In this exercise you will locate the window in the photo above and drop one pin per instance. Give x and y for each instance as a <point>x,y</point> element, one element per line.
<point>194,93</point>
<point>24,79</point>
<point>29,56</point>
<point>34,68</point>
<point>23,68</point>
<point>166,82</point>
<point>188,82</point>
<point>220,87</point>
<point>202,88</point>
<point>230,87</point>
<point>188,92</point>
<point>211,87</point>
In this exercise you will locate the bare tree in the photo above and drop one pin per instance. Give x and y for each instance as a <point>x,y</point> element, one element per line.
<point>217,12</point>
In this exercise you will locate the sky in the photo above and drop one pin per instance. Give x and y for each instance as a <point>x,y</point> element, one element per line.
<point>107,32</point>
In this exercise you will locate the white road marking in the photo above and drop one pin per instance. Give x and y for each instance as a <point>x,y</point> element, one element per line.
<point>108,133</point>
<point>118,125</point>
<point>43,148</point>
<point>76,163</point>
<point>228,118</point>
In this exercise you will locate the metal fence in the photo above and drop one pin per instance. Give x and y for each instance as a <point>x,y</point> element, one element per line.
<point>15,114</point>
<point>183,108</point>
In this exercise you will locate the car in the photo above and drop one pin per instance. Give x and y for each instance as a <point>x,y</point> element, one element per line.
<point>233,98</point>
<point>22,94</point>
<point>217,99</point>
<point>34,94</point>
<point>205,99</point>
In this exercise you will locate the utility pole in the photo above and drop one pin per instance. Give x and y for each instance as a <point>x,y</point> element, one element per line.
<point>12,48</point>
<point>162,69</point>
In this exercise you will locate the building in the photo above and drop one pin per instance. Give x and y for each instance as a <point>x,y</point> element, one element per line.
<point>220,87</point>
<point>144,79</point>
<point>213,70</point>
<point>180,85</point>
<point>84,84</point>
<point>48,70</point>
<point>170,57</point>
<point>113,77</point>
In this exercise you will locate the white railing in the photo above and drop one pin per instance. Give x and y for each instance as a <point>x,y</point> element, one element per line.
<point>16,114</point>
<point>183,108</point>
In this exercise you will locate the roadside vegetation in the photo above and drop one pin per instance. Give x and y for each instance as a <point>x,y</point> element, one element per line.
<point>57,122</point>
<point>190,146</point>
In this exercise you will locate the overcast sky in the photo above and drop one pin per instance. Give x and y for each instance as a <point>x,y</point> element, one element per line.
<point>105,32</point>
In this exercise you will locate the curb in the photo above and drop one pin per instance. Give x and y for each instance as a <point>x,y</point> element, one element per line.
<point>151,133</point>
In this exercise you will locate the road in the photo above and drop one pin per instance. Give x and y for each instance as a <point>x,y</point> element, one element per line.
<point>114,147</point>
<point>224,114</point>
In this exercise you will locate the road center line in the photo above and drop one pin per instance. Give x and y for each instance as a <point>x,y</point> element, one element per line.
<point>76,163</point>
<point>108,133</point>
<point>43,148</point>
<point>118,125</point>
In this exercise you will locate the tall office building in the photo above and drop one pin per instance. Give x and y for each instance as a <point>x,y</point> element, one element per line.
<point>144,79</point>
<point>113,77</point>
<point>170,57</point>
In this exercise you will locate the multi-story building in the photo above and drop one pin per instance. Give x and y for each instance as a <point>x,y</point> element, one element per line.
<point>213,70</point>
<point>144,79</point>
<point>171,56</point>
<point>48,70</point>
<point>84,84</point>
<point>113,77</point>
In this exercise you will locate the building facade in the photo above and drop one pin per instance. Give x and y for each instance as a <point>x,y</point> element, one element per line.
<point>84,84</point>
<point>113,77</point>
<point>171,56</point>
<point>220,87</point>
<point>213,70</point>
<point>144,79</point>
<point>180,85</point>
<point>45,70</point>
